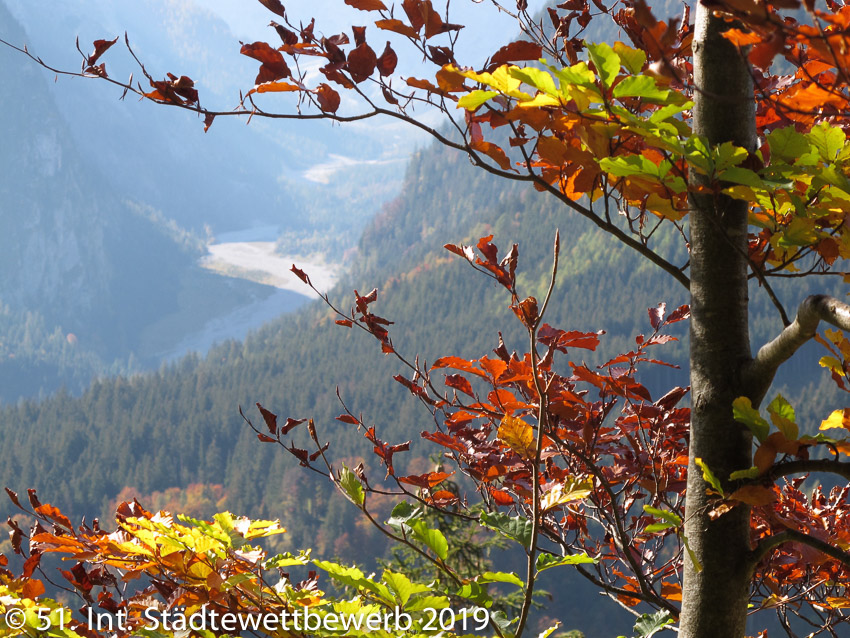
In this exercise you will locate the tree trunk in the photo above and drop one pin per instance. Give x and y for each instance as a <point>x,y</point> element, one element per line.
<point>714,601</point>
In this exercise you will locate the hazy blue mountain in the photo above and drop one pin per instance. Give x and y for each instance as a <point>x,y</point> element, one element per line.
<point>85,269</point>
<point>231,178</point>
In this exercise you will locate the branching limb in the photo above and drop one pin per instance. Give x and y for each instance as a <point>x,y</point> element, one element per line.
<point>803,466</point>
<point>793,536</point>
<point>758,373</point>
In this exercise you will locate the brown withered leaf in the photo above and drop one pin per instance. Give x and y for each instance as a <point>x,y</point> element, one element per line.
<point>273,67</point>
<point>30,564</point>
<point>441,55</point>
<point>335,75</point>
<point>13,496</point>
<point>397,26</point>
<point>387,61</point>
<point>274,6</point>
<point>100,47</point>
<point>33,498</point>
<point>208,120</point>
<point>270,418</point>
<point>388,96</point>
<point>289,425</point>
<point>328,100</point>
<point>414,10</point>
<point>367,5</point>
<point>359,35</point>
<point>288,37</point>
<point>300,274</point>
<point>361,62</point>
<point>521,50</point>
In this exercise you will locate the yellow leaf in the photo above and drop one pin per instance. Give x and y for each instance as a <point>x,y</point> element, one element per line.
<point>833,364</point>
<point>572,489</point>
<point>517,435</point>
<point>838,419</point>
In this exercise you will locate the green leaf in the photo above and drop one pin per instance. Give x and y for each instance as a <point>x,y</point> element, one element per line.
<point>475,593</point>
<point>351,486</point>
<point>745,176</point>
<point>649,624</point>
<point>631,59</point>
<point>401,586</point>
<point>752,473</point>
<point>433,539</point>
<point>402,514</point>
<point>709,477</point>
<point>786,144</point>
<point>669,519</point>
<point>783,417</point>
<point>743,412</point>
<point>641,86</point>
<point>607,62</point>
<point>577,74</point>
<point>727,155</point>
<point>287,560</point>
<point>828,140</point>
<point>428,602</point>
<point>546,561</point>
<point>501,577</point>
<point>471,101</point>
<point>514,527</point>
<point>538,78</point>
<point>353,577</point>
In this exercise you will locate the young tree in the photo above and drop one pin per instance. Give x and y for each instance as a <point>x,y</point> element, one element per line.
<point>687,133</point>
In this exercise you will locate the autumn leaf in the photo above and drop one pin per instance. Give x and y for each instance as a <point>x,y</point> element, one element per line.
<point>367,5</point>
<point>518,436</point>
<point>328,99</point>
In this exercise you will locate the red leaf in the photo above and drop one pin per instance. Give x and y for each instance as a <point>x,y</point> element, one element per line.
<point>33,498</point>
<point>274,6</point>
<point>270,418</point>
<point>458,382</point>
<point>680,313</point>
<point>388,61</point>
<point>30,564</point>
<point>208,120</point>
<point>290,423</point>
<point>500,497</point>
<point>656,315</point>
<point>344,322</point>
<point>266,439</point>
<point>429,479</point>
<point>367,5</point>
<point>347,418</point>
<point>288,37</point>
<point>13,497</point>
<point>100,47</point>
<point>440,438</point>
<point>442,498</point>
<point>53,513</point>
<point>515,51</point>
<point>361,62</point>
<point>273,67</point>
<point>300,274</point>
<point>328,99</point>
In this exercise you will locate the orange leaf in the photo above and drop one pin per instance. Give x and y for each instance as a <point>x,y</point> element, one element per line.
<point>494,152</point>
<point>274,87</point>
<point>397,26</point>
<point>32,589</point>
<point>367,5</point>
<point>754,495</point>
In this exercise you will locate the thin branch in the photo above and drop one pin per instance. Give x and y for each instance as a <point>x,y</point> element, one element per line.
<point>759,372</point>
<point>793,536</point>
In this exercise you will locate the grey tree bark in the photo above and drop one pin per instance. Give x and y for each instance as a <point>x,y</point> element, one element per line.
<point>714,602</point>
